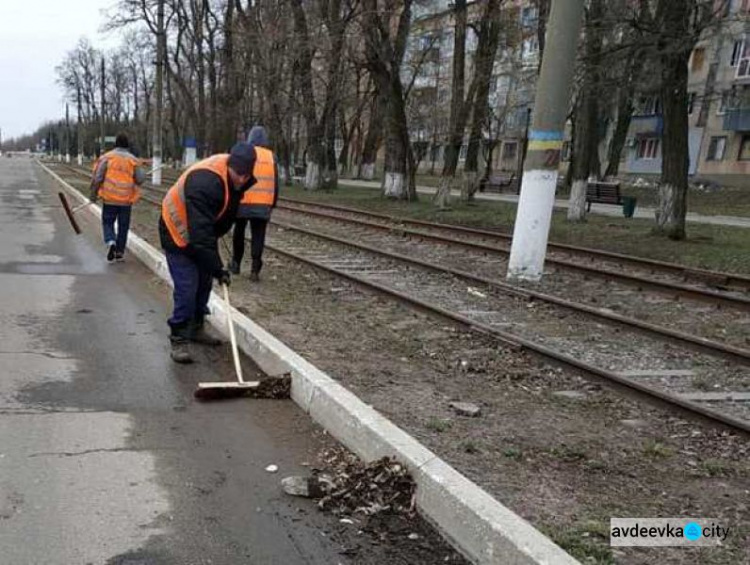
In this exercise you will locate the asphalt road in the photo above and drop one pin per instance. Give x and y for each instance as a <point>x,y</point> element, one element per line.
<point>104,455</point>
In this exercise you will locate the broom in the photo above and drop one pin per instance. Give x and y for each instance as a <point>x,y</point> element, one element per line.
<point>217,391</point>
<point>71,211</point>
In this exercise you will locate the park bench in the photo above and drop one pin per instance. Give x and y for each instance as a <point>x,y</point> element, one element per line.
<point>602,192</point>
<point>497,181</point>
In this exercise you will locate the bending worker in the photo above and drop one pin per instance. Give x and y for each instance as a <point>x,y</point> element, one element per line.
<point>116,179</point>
<point>196,211</point>
<point>256,205</point>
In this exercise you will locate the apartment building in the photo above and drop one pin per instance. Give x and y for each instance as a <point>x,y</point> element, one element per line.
<point>719,89</point>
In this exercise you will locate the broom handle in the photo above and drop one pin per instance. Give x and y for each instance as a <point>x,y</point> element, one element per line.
<point>81,207</point>
<point>232,337</point>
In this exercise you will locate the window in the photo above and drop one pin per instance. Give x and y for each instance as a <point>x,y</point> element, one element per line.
<point>510,149</point>
<point>699,56</point>
<point>435,153</point>
<point>743,63</point>
<point>650,106</point>
<point>647,148</point>
<point>462,152</point>
<point>530,47</point>
<point>716,149</point>
<point>736,52</point>
<point>744,149</point>
<point>723,103</point>
<point>691,102</point>
<point>528,17</point>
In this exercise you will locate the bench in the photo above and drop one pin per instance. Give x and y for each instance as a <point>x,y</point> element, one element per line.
<point>497,181</point>
<point>601,192</point>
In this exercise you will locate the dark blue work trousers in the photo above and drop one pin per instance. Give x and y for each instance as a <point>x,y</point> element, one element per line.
<point>192,289</point>
<point>121,215</point>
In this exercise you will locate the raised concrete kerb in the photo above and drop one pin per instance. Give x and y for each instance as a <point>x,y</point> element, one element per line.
<point>479,526</point>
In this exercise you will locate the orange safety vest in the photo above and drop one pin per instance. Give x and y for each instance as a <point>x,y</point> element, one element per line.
<point>264,171</point>
<point>118,186</point>
<point>173,208</point>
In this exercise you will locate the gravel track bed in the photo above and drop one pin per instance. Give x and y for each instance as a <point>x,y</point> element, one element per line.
<point>565,464</point>
<point>723,324</point>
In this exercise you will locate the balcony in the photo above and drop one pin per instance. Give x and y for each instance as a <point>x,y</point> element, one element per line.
<point>647,125</point>
<point>737,119</point>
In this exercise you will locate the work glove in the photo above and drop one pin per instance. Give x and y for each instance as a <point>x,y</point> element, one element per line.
<point>224,277</point>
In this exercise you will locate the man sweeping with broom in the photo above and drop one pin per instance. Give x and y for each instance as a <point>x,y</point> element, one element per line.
<point>199,209</point>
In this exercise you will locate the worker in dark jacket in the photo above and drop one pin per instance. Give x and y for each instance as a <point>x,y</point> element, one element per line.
<point>256,205</point>
<point>200,208</point>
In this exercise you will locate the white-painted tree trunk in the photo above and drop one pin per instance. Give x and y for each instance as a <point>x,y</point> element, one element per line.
<point>469,186</point>
<point>368,171</point>
<point>577,201</point>
<point>443,195</point>
<point>313,177</point>
<point>80,160</point>
<point>156,171</point>
<point>394,185</point>
<point>530,236</point>
<point>67,157</point>
<point>666,212</point>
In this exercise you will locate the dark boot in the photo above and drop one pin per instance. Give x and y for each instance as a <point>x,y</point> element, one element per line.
<point>254,276</point>
<point>234,267</point>
<point>180,342</point>
<point>200,335</point>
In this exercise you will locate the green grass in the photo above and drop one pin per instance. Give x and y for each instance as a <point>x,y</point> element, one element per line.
<point>587,541</point>
<point>711,247</point>
<point>439,425</point>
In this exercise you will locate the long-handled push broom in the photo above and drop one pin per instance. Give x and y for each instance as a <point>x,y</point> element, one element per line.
<point>216,391</point>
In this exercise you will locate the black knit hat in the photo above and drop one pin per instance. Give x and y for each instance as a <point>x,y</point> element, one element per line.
<point>241,158</point>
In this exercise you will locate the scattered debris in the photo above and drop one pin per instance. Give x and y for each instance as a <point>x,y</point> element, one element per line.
<point>272,468</point>
<point>570,394</point>
<point>475,292</point>
<point>308,487</point>
<point>274,387</point>
<point>413,536</point>
<point>466,409</point>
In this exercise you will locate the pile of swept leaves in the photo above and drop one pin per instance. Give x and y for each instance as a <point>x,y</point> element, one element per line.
<point>352,487</point>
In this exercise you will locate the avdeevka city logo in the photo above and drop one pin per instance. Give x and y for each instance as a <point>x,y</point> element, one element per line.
<point>693,531</point>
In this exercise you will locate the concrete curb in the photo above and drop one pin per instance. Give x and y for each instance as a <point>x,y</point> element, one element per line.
<point>475,523</point>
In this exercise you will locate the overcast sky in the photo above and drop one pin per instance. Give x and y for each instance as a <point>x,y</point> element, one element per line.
<point>34,37</point>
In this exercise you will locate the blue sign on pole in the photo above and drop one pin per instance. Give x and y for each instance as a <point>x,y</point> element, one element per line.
<point>189,142</point>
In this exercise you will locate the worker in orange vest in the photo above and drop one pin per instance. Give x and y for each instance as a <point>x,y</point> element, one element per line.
<point>256,205</point>
<point>117,176</point>
<point>196,211</point>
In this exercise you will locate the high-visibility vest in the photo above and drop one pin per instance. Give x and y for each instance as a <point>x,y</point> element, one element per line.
<point>173,208</point>
<point>262,192</point>
<point>118,186</point>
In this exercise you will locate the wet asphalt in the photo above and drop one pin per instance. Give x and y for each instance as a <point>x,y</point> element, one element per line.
<point>104,455</point>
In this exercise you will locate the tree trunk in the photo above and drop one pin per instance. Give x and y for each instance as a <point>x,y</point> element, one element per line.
<point>373,139</point>
<point>489,36</point>
<point>457,117</point>
<point>672,208</point>
<point>620,135</point>
<point>674,18</point>
<point>315,131</point>
<point>586,140</point>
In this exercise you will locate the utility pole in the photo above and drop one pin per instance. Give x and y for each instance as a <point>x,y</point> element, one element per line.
<point>67,134</point>
<point>537,198</point>
<point>79,131</point>
<point>101,114</point>
<point>159,87</point>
